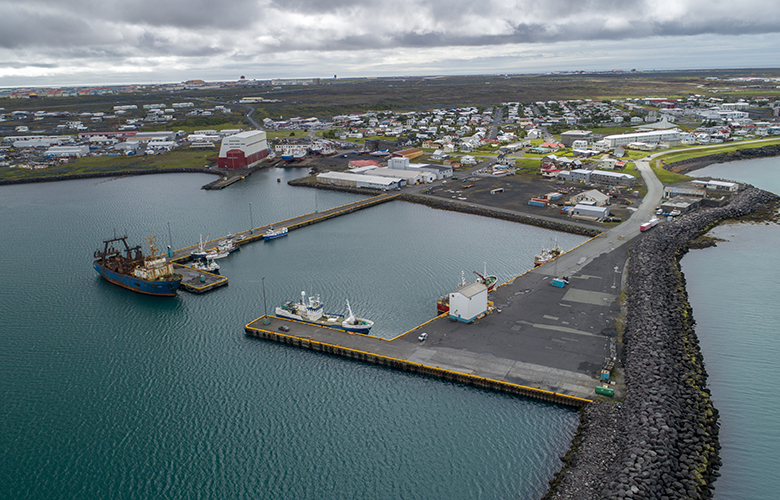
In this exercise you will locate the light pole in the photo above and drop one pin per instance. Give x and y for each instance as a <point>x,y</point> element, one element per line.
<point>251,220</point>
<point>265,305</point>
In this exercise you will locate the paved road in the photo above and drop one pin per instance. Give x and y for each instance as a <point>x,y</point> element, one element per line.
<point>498,116</point>
<point>573,262</point>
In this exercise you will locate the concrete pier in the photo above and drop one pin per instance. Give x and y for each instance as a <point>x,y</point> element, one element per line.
<point>256,234</point>
<point>400,355</point>
<point>548,343</point>
<point>196,281</point>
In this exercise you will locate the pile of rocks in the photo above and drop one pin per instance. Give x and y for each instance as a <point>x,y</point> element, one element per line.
<point>499,214</point>
<point>662,441</point>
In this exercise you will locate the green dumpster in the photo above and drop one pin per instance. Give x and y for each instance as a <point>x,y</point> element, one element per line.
<point>605,391</point>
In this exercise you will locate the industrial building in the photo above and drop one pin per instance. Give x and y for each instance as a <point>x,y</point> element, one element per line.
<point>402,163</point>
<point>590,211</point>
<point>411,176</point>
<point>597,177</point>
<point>151,136</point>
<point>681,203</point>
<point>693,192</point>
<point>67,151</point>
<point>347,179</point>
<point>468,302</point>
<point>593,196</point>
<point>440,171</point>
<point>364,163</point>
<point>654,137</point>
<point>717,185</point>
<point>243,150</point>
<point>568,137</point>
<point>40,142</point>
<point>410,153</point>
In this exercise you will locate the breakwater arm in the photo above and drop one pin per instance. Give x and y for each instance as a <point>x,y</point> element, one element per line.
<point>662,440</point>
<point>117,173</point>
<point>500,214</point>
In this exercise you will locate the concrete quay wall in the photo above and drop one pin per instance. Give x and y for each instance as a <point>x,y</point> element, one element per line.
<point>420,368</point>
<point>661,442</point>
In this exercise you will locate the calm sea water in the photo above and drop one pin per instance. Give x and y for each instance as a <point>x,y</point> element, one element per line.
<point>109,394</point>
<point>733,289</point>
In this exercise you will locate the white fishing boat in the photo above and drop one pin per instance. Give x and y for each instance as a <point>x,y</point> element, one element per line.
<point>200,253</point>
<point>312,311</point>
<point>272,233</point>
<point>218,253</point>
<point>208,266</point>
<point>548,254</point>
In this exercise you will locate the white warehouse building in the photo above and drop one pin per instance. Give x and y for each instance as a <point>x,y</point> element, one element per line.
<point>360,181</point>
<point>654,137</point>
<point>411,176</point>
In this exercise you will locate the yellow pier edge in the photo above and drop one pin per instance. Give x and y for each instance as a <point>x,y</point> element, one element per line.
<point>409,366</point>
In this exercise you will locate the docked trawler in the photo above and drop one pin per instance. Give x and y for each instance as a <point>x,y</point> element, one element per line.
<point>128,268</point>
<point>547,254</point>
<point>311,311</point>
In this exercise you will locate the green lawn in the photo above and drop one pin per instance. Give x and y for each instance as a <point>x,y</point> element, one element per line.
<point>284,134</point>
<point>698,151</point>
<point>668,177</point>
<point>190,128</point>
<point>115,164</point>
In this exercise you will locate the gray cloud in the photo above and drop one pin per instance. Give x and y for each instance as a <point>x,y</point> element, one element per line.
<point>181,34</point>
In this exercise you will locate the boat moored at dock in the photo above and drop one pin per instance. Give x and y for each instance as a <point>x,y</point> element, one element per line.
<point>547,254</point>
<point>312,311</point>
<point>272,233</point>
<point>209,266</point>
<point>127,267</point>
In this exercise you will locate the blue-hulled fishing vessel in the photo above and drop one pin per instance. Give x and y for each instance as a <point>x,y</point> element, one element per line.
<point>127,267</point>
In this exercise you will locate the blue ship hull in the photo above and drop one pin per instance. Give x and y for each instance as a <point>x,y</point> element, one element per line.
<point>159,288</point>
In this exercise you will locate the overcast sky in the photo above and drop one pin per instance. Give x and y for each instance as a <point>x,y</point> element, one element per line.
<point>91,42</point>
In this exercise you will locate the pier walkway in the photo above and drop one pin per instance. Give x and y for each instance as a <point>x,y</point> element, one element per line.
<point>256,234</point>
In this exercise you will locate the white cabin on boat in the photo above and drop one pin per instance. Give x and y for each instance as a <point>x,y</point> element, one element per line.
<point>468,302</point>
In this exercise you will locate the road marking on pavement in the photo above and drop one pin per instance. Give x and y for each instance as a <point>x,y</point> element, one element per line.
<point>589,297</point>
<point>565,330</point>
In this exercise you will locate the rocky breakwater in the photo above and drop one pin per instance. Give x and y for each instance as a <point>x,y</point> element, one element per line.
<point>661,442</point>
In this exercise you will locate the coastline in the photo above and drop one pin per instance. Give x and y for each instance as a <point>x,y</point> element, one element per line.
<point>118,173</point>
<point>663,438</point>
<point>691,164</point>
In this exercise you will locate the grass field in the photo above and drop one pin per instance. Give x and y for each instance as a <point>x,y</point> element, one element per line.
<point>697,152</point>
<point>115,164</point>
<point>668,177</point>
<point>285,134</point>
